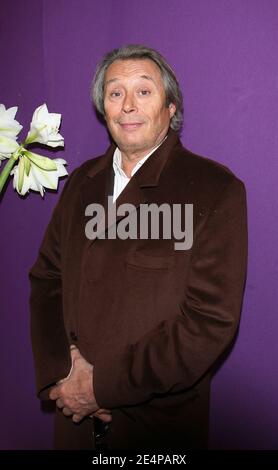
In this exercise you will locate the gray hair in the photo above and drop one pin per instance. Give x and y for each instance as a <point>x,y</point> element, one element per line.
<point>137,51</point>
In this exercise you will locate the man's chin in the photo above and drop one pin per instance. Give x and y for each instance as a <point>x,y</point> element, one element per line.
<point>131,144</point>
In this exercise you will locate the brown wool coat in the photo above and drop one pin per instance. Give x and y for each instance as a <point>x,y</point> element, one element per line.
<point>152,320</point>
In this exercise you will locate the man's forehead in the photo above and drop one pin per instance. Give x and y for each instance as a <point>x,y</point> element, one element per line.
<point>139,68</point>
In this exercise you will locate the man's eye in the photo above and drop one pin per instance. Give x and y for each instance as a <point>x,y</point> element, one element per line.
<point>144,92</point>
<point>115,94</point>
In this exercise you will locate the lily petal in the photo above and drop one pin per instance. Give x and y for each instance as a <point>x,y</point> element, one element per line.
<point>7,146</point>
<point>44,128</point>
<point>34,177</point>
<point>9,127</point>
<point>44,163</point>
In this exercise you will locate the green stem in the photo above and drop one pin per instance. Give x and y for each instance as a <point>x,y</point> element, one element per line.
<point>6,171</point>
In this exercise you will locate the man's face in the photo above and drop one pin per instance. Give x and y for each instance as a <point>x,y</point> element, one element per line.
<point>135,105</point>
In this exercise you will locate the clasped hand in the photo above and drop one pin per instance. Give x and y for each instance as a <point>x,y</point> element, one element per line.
<point>75,394</point>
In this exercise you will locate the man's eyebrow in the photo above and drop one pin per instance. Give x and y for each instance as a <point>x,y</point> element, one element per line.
<point>147,77</point>
<point>114,80</point>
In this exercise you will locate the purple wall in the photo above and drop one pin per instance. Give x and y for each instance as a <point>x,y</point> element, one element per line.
<point>225,55</point>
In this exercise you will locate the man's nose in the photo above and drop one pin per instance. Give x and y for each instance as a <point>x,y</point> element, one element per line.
<point>129,104</point>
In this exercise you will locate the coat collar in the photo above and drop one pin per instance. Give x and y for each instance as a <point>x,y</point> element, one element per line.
<point>150,172</point>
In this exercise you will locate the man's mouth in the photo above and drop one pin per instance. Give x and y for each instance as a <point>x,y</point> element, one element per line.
<point>130,126</point>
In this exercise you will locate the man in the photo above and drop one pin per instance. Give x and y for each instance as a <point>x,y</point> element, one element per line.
<point>126,331</point>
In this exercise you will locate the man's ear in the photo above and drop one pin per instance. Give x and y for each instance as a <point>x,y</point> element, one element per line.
<point>172,109</point>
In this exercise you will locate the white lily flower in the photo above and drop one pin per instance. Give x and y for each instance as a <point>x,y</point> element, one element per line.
<point>36,172</point>
<point>7,147</point>
<point>9,127</point>
<point>44,128</point>
<point>32,171</point>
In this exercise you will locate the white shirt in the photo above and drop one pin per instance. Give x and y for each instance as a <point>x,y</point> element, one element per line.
<point>120,179</point>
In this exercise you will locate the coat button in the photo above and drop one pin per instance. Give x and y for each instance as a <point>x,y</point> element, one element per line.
<point>73,336</point>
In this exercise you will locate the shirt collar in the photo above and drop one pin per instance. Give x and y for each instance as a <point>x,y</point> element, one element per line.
<point>117,161</point>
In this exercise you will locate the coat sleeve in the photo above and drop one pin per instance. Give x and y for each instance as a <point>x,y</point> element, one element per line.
<point>49,340</point>
<point>178,352</point>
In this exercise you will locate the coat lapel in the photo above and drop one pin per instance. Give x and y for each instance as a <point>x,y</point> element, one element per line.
<point>99,182</point>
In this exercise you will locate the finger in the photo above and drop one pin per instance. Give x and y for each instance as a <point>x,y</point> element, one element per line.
<point>60,403</point>
<point>75,354</point>
<point>54,393</point>
<point>67,411</point>
<point>103,410</point>
<point>77,418</point>
<point>105,418</point>
<point>100,415</point>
